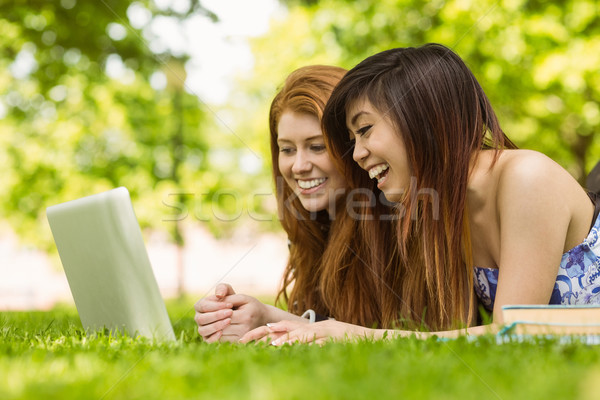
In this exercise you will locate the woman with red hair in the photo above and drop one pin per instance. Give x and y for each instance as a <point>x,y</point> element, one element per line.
<point>340,259</point>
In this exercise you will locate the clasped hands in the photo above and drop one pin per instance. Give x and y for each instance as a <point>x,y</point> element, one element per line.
<point>230,317</point>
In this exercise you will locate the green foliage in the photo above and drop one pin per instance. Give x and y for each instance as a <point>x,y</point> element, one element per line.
<point>72,128</point>
<point>537,60</point>
<point>46,355</point>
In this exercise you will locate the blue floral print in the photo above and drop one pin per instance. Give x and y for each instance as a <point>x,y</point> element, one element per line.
<point>578,280</point>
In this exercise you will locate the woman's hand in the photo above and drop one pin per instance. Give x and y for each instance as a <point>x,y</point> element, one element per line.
<point>213,314</point>
<point>226,316</point>
<point>264,334</point>
<point>302,332</point>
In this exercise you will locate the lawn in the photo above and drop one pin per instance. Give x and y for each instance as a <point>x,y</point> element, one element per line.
<point>45,355</point>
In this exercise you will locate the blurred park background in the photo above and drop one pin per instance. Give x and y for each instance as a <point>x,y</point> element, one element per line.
<point>169,98</point>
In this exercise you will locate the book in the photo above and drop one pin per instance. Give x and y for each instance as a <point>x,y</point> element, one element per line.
<point>551,319</point>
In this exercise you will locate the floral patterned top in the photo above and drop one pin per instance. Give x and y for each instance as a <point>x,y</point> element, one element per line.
<point>578,280</point>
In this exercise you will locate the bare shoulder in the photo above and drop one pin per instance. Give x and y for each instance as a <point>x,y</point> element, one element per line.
<point>528,171</point>
<point>531,186</point>
<point>518,178</point>
<point>527,164</point>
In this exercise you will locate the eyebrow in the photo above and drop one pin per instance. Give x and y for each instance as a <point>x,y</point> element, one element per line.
<point>356,116</point>
<point>308,139</point>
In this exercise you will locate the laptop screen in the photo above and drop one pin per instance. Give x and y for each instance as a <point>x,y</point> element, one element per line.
<point>107,266</point>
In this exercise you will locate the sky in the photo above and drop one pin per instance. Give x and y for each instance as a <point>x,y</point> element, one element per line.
<point>218,50</point>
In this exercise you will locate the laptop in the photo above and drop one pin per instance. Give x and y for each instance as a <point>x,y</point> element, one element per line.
<point>107,266</point>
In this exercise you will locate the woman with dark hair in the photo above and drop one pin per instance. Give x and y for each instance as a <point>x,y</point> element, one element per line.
<point>480,222</point>
<point>340,259</point>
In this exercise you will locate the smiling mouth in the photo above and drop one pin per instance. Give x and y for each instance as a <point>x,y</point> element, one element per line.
<point>379,172</point>
<point>310,183</point>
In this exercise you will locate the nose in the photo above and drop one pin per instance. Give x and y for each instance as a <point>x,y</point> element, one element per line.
<point>302,163</point>
<point>360,152</point>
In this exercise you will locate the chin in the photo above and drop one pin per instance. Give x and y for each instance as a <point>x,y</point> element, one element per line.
<point>313,205</point>
<point>313,208</point>
<point>393,196</point>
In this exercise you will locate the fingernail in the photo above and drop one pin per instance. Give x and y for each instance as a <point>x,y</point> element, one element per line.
<point>270,325</point>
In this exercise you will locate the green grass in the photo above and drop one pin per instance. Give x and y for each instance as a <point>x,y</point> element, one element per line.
<point>46,355</point>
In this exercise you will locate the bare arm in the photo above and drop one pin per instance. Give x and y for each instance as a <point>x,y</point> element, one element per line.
<point>534,213</point>
<point>320,332</point>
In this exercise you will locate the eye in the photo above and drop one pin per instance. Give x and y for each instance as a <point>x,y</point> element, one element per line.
<point>317,148</point>
<point>286,150</point>
<point>363,130</point>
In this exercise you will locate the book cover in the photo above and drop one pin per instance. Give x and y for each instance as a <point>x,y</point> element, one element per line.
<point>551,319</point>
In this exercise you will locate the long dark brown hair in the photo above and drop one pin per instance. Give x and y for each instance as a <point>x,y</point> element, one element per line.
<point>340,265</point>
<point>444,118</point>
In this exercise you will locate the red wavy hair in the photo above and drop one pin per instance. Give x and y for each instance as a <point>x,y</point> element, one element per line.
<point>340,266</point>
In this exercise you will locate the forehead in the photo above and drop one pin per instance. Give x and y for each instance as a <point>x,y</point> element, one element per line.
<point>295,126</point>
<point>358,108</point>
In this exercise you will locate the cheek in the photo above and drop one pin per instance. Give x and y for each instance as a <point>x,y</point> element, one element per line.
<point>337,181</point>
<point>326,165</point>
<point>339,178</point>
<point>335,176</point>
<point>285,166</point>
<point>400,163</point>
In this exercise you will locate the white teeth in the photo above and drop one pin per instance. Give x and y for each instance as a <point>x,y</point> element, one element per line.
<point>310,184</point>
<point>375,171</point>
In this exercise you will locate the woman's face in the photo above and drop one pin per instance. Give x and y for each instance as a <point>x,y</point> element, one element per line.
<point>305,163</point>
<point>379,149</point>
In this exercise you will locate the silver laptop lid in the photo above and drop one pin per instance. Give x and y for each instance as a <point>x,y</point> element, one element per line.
<point>103,254</point>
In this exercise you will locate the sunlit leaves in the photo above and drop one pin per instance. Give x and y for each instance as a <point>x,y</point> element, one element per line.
<point>537,60</point>
<point>79,116</point>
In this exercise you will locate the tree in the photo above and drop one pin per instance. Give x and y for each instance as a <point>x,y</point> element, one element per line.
<point>537,60</point>
<point>78,114</point>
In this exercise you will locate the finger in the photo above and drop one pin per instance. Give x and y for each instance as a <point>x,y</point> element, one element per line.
<point>223,289</point>
<point>284,326</point>
<point>208,330</point>
<point>214,337</point>
<point>277,327</point>
<point>235,331</point>
<point>207,305</point>
<point>255,334</point>
<point>231,338</point>
<point>295,336</point>
<point>237,299</point>
<point>246,317</point>
<point>212,297</point>
<point>211,317</point>
<point>271,337</point>
<point>320,342</point>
